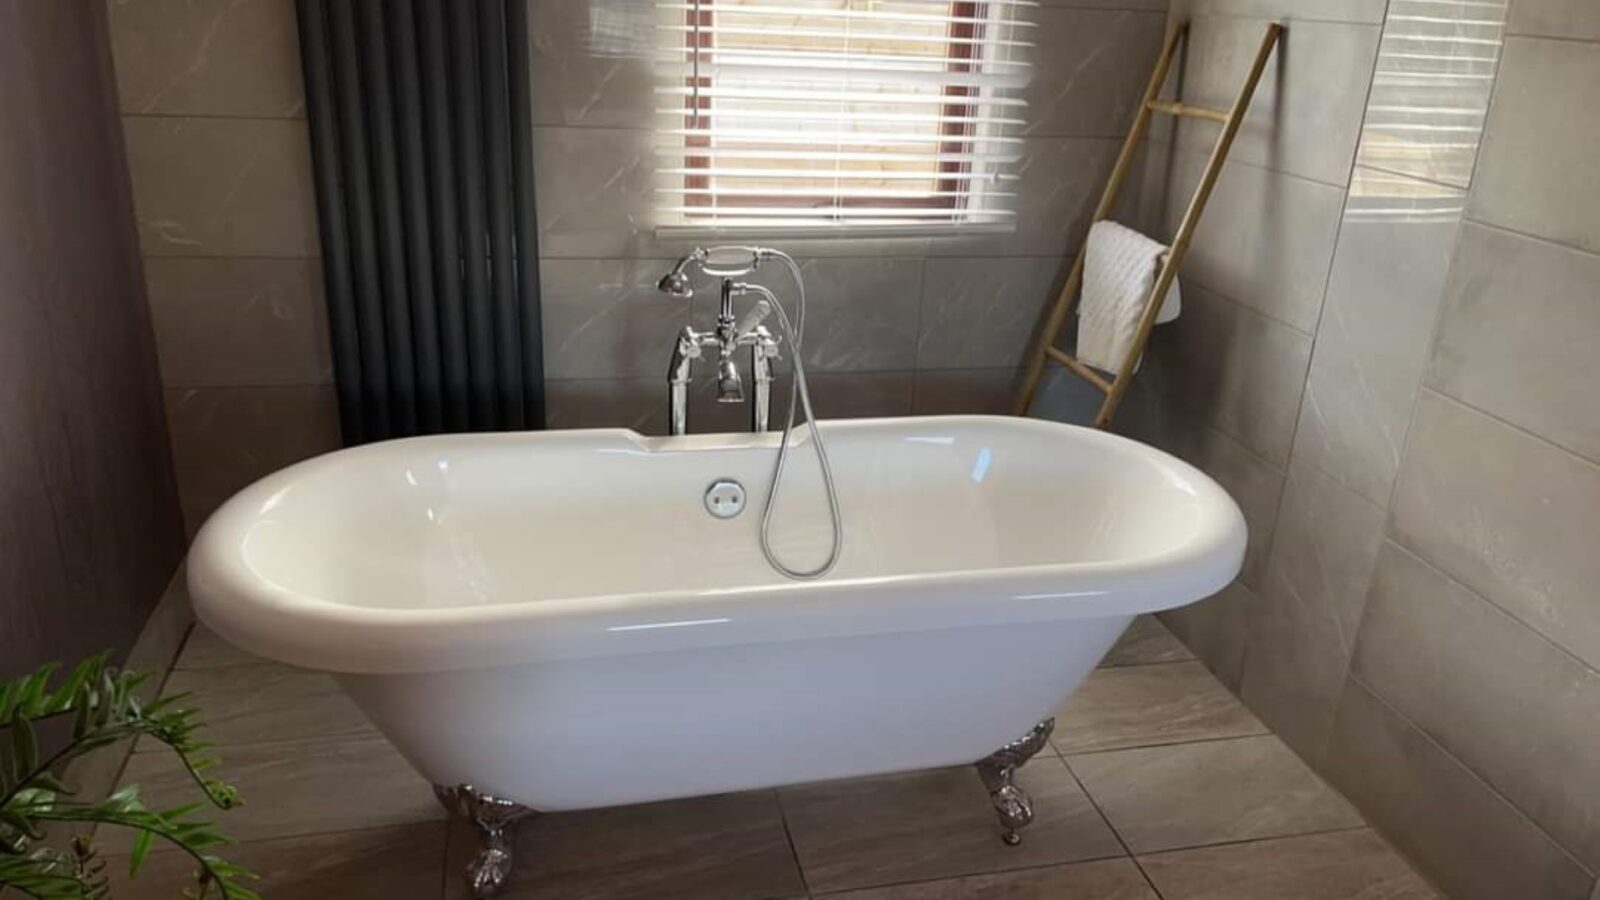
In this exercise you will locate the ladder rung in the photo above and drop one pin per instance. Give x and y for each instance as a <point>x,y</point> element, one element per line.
<point>1081,370</point>
<point>1175,108</point>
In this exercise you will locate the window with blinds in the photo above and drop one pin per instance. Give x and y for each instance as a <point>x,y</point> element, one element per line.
<point>803,116</point>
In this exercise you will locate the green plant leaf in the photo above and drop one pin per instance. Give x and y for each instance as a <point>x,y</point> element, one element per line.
<point>24,747</point>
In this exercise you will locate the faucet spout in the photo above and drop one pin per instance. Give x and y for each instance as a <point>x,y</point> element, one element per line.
<point>730,388</point>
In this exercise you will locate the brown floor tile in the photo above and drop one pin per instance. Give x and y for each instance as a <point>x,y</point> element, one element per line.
<point>725,846</point>
<point>296,788</point>
<point>403,863</point>
<point>205,650</point>
<point>1345,865</point>
<point>937,824</point>
<point>1213,792</point>
<point>1146,641</point>
<point>1105,879</point>
<point>1140,706</point>
<point>267,702</point>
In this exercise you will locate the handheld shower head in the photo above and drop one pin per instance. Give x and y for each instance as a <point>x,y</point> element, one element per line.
<point>717,262</point>
<point>676,283</point>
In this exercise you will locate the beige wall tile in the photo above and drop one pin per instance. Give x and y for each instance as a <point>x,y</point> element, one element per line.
<point>222,187</point>
<point>236,322</point>
<point>1091,70</point>
<point>1422,649</point>
<point>1396,243</point>
<point>207,58</point>
<point>1266,239</point>
<point>1556,18</point>
<point>225,438</point>
<point>1233,368</point>
<point>983,312</point>
<point>1518,333</point>
<point>1304,626</point>
<point>1465,837</point>
<point>1306,115</point>
<point>1538,172</point>
<point>1506,514</point>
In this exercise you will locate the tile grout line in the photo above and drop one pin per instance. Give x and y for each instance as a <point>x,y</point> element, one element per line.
<point>1126,850</point>
<point>788,835</point>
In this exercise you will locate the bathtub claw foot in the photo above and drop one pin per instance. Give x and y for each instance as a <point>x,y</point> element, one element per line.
<point>999,773</point>
<point>495,820</point>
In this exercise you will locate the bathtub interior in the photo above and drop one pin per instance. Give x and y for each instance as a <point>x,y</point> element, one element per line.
<point>453,521</point>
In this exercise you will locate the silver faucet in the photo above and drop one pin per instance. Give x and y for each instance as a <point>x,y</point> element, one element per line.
<point>728,337</point>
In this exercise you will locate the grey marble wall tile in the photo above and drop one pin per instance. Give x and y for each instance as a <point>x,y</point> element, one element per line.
<point>1366,11</point>
<point>1234,368</point>
<point>207,58</point>
<point>966,391</point>
<point>604,318</point>
<point>1217,629</point>
<point>225,438</point>
<point>593,63</point>
<point>1422,650</point>
<point>1426,111</point>
<point>857,395</point>
<point>1538,172</point>
<point>861,313</point>
<point>1090,69</point>
<point>1508,515</point>
<point>1266,239</point>
<point>1211,792</point>
<point>1518,335</point>
<point>1337,866</point>
<point>1255,484</point>
<point>636,403</point>
<point>984,312</point>
<point>1305,621</point>
<point>223,322</point>
<point>1395,247</point>
<point>1556,18</point>
<point>1059,182</point>
<point>1152,5</point>
<point>222,187</point>
<point>596,192</point>
<point>1305,118</point>
<point>1145,706</point>
<point>1465,837</point>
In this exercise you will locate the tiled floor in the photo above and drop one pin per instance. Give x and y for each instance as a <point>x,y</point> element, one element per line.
<point>1159,786</point>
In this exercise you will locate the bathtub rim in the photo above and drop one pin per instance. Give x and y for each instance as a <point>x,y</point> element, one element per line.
<point>274,622</point>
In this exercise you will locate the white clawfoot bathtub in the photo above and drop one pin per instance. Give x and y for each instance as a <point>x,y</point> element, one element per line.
<point>518,612</point>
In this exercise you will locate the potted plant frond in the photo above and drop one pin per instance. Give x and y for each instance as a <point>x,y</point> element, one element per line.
<point>95,707</point>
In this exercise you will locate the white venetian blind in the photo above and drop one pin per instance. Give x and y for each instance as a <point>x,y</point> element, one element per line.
<point>840,115</point>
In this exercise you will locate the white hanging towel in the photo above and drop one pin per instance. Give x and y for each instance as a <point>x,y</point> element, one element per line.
<point>1119,269</point>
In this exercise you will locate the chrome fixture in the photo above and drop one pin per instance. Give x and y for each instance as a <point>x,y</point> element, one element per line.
<point>730,263</point>
<point>725,498</point>
<point>495,821</point>
<point>728,337</point>
<point>999,773</point>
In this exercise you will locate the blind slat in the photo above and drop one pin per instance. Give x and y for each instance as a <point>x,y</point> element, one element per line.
<point>840,115</point>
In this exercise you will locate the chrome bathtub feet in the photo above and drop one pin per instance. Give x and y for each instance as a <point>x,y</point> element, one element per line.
<point>495,820</point>
<point>999,773</point>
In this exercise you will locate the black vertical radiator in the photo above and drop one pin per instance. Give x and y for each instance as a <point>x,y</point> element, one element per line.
<point>421,141</point>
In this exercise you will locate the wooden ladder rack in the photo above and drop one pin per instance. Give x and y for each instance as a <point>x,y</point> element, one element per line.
<point>1230,119</point>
